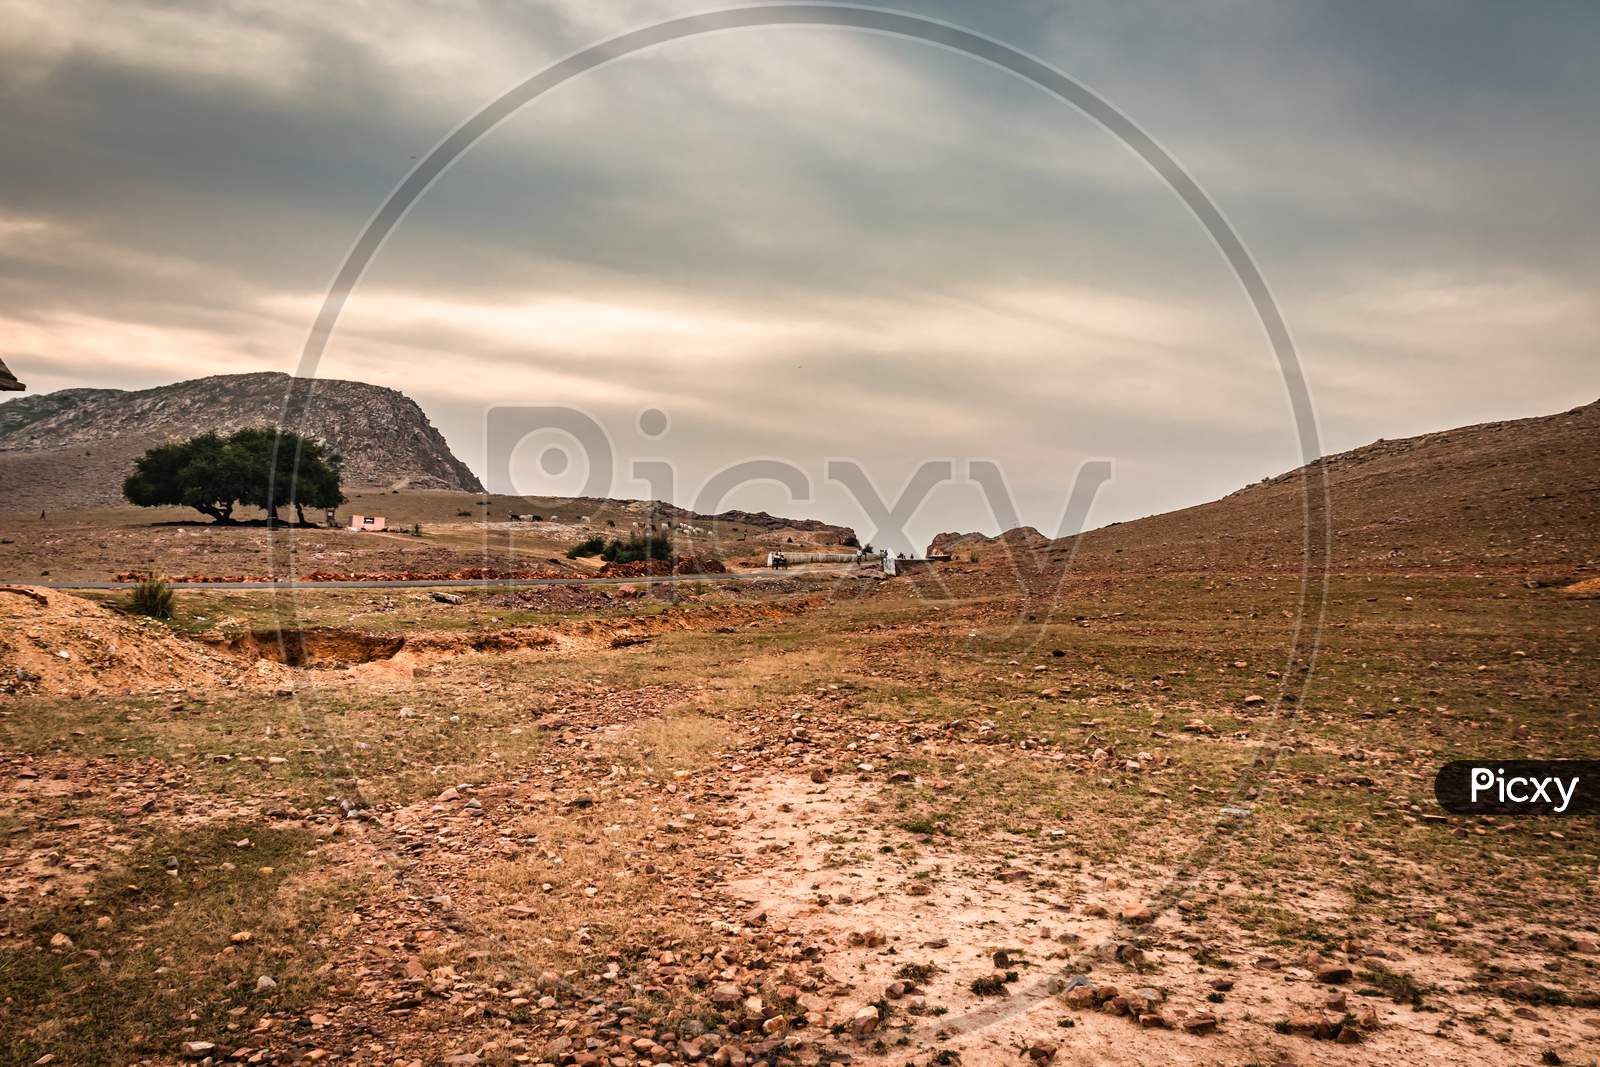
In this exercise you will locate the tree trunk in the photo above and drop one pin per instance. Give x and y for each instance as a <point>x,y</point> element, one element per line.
<point>300,512</point>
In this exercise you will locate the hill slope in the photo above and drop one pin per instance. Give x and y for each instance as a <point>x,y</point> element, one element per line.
<point>73,448</point>
<point>1521,495</point>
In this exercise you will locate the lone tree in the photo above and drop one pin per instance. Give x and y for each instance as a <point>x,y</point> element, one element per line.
<point>263,468</point>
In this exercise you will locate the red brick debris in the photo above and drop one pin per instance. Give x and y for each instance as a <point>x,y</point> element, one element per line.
<point>466,574</point>
<point>659,567</point>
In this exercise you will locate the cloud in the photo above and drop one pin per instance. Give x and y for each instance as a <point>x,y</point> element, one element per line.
<point>812,242</point>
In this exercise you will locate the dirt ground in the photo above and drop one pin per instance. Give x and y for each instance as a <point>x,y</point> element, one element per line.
<point>823,819</point>
<point>459,530</point>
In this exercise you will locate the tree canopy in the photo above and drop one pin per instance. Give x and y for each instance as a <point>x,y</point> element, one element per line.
<point>264,468</point>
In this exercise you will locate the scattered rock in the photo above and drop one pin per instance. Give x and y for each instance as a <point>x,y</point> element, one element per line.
<point>1042,1052</point>
<point>1138,914</point>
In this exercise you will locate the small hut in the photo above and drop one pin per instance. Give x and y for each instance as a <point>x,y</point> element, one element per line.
<point>8,381</point>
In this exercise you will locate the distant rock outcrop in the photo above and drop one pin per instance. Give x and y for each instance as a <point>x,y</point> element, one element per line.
<point>73,448</point>
<point>964,544</point>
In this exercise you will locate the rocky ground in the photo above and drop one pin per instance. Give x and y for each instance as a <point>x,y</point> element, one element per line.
<point>822,820</point>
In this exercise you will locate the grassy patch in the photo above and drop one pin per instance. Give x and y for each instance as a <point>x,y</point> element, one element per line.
<point>149,958</point>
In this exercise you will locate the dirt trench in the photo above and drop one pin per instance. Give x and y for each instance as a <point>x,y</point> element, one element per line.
<point>318,647</point>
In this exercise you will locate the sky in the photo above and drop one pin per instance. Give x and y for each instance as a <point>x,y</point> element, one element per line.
<point>806,244</point>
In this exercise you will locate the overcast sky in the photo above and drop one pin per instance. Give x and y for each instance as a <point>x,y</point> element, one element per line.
<point>810,243</point>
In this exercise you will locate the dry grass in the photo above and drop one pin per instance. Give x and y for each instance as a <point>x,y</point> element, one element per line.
<point>151,960</point>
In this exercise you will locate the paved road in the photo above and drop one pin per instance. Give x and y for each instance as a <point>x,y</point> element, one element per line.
<point>463,583</point>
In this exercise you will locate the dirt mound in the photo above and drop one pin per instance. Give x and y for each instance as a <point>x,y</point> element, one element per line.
<point>56,644</point>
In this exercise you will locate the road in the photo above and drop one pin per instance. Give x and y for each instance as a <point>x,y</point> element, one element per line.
<point>463,583</point>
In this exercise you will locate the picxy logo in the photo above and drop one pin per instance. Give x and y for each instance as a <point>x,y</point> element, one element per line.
<point>1519,787</point>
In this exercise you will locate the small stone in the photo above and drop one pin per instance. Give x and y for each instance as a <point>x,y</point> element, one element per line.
<point>1333,974</point>
<point>864,1021</point>
<point>265,984</point>
<point>1080,997</point>
<point>1138,914</point>
<point>1200,1023</point>
<point>1042,1052</point>
<point>197,1050</point>
<point>243,937</point>
<point>61,941</point>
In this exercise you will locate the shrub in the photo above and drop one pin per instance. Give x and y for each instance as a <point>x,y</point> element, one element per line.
<point>636,549</point>
<point>592,547</point>
<point>151,597</point>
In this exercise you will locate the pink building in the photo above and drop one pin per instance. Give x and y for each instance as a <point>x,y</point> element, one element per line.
<point>366,522</point>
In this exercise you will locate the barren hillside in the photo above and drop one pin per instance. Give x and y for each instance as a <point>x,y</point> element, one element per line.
<point>1520,495</point>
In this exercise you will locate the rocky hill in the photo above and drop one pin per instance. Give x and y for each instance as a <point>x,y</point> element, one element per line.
<point>1521,496</point>
<point>73,448</point>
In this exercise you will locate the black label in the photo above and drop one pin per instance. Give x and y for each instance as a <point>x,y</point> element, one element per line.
<point>1519,787</point>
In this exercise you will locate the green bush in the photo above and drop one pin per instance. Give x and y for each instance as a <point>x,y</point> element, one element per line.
<point>636,549</point>
<point>592,547</point>
<point>151,597</point>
